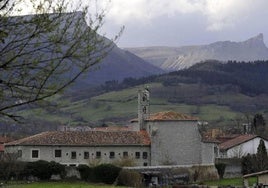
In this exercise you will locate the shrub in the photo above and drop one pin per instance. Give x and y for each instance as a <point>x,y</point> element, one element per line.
<point>106,173</point>
<point>43,169</point>
<point>86,173</point>
<point>129,178</point>
<point>57,168</point>
<point>39,169</point>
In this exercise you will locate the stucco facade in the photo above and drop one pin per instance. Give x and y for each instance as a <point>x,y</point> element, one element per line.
<point>73,156</point>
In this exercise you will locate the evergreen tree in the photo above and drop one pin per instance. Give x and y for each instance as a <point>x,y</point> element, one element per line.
<point>262,157</point>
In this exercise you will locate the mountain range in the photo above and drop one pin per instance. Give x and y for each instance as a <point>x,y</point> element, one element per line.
<point>176,58</point>
<point>118,65</point>
<point>142,62</point>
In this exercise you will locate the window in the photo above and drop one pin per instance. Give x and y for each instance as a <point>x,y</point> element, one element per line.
<point>58,153</point>
<point>111,154</point>
<point>86,155</point>
<point>125,154</point>
<point>35,153</point>
<point>73,155</point>
<point>137,155</point>
<point>144,155</point>
<point>145,164</point>
<point>20,153</point>
<point>98,154</point>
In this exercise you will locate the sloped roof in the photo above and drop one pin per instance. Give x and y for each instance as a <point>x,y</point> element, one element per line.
<point>169,116</point>
<point>87,138</point>
<point>112,128</point>
<point>236,141</point>
<point>210,140</point>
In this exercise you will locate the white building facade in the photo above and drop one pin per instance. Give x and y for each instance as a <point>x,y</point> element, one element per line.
<point>241,146</point>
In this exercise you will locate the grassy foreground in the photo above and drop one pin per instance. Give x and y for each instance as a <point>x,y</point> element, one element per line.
<point>230,181</point>
<point>59,185</point>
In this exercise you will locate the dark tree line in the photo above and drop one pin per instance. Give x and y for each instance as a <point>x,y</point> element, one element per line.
<point>250,77</point>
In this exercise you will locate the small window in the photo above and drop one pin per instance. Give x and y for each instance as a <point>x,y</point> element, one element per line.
<point>125,154</point>
<point>145,164</point>
<point>73,155</point>
<point>98,154</point>
<point>58,153</point>
<point>20,153</point>
<point>111,154</point>
<point>137,155</point>
<point>144,155</point>
<point>86,155</point>
<point>35,154</point>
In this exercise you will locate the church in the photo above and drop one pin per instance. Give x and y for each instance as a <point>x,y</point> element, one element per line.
<point>161,139</point>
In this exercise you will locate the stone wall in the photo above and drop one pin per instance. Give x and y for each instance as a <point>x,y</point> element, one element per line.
<point>178,143</point>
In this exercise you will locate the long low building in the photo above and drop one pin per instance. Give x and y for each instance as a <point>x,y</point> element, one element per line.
<point>73,148</point>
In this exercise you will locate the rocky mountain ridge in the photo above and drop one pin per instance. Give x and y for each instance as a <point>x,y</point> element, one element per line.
<point>176,58</point>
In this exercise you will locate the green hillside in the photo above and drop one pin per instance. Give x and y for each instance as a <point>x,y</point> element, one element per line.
<point>210,91</point>
<point>118,107</point>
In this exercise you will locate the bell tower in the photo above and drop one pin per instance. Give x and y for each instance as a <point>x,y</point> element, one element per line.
<point>143,107</point>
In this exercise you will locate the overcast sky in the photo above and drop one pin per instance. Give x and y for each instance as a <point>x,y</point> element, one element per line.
<point>185,22</point>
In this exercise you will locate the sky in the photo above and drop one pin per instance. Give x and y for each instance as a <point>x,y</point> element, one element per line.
<point>184,22</point>
<point>178,22</point>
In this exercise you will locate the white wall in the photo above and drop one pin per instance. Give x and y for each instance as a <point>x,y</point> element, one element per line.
<point>245,148</point>
<point>48,153</point>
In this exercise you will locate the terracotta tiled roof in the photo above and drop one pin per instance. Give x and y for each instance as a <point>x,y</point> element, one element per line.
<point>170,115</point>
<point>87,138</point>
<point>112,128</point>
<point>236,141</point>
<point>225,138</point>
<point>210,140</point>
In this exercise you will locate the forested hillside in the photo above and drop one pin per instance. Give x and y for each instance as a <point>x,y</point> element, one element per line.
<point>250,78</point>
<point>222,94</point>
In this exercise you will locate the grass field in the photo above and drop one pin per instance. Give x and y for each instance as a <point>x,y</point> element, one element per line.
<point>222,182</point>
<point>58,185</point>
<point>230,181</point>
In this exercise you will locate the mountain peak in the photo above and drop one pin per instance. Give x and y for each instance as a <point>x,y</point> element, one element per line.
<point>256,40</point>
<point>259,37</point>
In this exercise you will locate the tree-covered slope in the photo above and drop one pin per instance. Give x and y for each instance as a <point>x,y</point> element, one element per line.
<point>220,94</point>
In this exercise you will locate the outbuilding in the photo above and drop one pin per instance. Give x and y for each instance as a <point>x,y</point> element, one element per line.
<point>262,178</point>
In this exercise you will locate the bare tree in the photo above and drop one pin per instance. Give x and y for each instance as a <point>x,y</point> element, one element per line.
<point>43,53</point>
<point>10,166</point>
